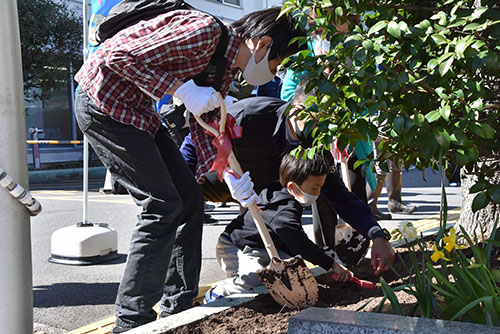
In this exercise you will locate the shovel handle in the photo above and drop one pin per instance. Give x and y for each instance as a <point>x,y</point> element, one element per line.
<point>235,166</point>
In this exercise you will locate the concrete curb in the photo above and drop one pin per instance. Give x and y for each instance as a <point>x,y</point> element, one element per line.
<point>196,313</point>
<point>199,312</point>
<point>44,176</point>
<point>316,320</point>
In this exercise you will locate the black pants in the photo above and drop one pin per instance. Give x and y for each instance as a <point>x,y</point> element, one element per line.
<point>164,258</point>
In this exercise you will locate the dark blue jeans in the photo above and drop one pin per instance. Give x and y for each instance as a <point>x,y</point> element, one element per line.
<point>164,258</point>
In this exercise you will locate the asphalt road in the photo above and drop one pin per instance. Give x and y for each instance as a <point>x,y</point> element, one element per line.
<point>69,297</point>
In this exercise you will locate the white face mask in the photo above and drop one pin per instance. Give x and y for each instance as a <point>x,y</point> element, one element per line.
<point>257,74</point>
<point>323,44</point>
<point>307,199</point>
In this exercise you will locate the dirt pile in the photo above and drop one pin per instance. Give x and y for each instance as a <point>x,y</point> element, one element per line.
<point>264,315</point>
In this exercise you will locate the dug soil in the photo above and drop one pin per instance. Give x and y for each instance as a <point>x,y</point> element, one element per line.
<point>264,315</point>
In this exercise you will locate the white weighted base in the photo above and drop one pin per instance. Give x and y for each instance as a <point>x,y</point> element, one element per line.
<point>84,244</point>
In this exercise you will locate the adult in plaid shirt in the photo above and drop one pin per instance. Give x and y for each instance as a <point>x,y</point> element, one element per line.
<point>119,85</point>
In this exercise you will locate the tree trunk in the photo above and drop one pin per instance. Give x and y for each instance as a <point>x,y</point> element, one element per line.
<point>482,221</point>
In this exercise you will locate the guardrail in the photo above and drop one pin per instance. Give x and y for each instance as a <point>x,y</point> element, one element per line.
<point>64,142</point>
<point>36,147</point>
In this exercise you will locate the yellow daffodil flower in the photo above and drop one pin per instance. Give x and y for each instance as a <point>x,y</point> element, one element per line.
<point>437,255</point>
<point>450,241</point>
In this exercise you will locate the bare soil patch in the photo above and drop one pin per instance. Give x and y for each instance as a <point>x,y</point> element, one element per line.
<point>263,315</point>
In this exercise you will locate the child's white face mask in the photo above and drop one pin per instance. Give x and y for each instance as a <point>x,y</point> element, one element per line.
<point>307,199</point>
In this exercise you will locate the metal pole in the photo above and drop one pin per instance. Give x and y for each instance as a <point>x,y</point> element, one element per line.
<point>85,140</point>
<point>16,297</point>
<point>72,101</point>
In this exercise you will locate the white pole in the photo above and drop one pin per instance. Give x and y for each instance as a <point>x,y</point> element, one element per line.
<point>72,101</point>
<point>85,140</point>
<point>16,297</point>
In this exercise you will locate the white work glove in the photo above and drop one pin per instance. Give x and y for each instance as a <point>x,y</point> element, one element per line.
<point>229,100</point>
<point>197,99</point>
<point>241,189</point>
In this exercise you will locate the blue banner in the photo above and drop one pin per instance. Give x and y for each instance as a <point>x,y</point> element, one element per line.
<point>100,8</point>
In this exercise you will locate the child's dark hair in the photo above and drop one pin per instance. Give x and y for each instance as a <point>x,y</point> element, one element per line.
<point>298,169</point>
<point>266,23</point>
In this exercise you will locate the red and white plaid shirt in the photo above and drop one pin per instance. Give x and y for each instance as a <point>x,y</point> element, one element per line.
<point>148,57</point>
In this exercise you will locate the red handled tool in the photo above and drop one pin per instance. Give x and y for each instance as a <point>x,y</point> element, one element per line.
<point>367,285</point>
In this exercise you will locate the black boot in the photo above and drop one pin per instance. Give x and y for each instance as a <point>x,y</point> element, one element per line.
<point>395,203</point>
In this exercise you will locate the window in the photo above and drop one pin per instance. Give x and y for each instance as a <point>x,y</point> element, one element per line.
<point>232,2</point>
<point>229,2</point>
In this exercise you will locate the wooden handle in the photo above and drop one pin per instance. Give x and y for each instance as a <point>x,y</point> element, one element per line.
<point>235,166</point>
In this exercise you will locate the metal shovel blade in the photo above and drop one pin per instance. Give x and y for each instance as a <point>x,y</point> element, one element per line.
<point>290,283</point>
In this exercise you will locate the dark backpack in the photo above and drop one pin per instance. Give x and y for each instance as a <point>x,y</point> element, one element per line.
<point>129,12</point>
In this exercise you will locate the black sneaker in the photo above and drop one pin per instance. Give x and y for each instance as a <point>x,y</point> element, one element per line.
<point>381,216</point>
<point>117,329</point>
<point>207,219</point>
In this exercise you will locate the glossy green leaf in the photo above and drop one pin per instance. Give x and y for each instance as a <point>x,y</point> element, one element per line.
<point>419,118</point>
<point>478,12</point>
<point>368,44</point>
<point>362,125</point>
<point>463,44</point>
<point>489,132</point>
<point>479,186</point>
<point>424,24</point>
<point>381,83</point>
<point>445,56</point>
<point>442,137</point>
<point>310,153</point>
<point>441,16</point>
<point>433,116</point>
<point>445,66</point>
<point>480,201</point>
<point>494,193</point>
<point>445,112</point>
<point>439,39</point>
<point>394,30</point>
<point>429,147</point>
<point>477,104</point>
<point>377,27</point>
<point>403,26</point>
<point>471,26</point>
<point>402,78</point>
<point>432,63</point>
<point>440,92</point>
<point>339,11</point>
<point>399,124</point>
<point>462,157</point>
<point>483,130</point>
